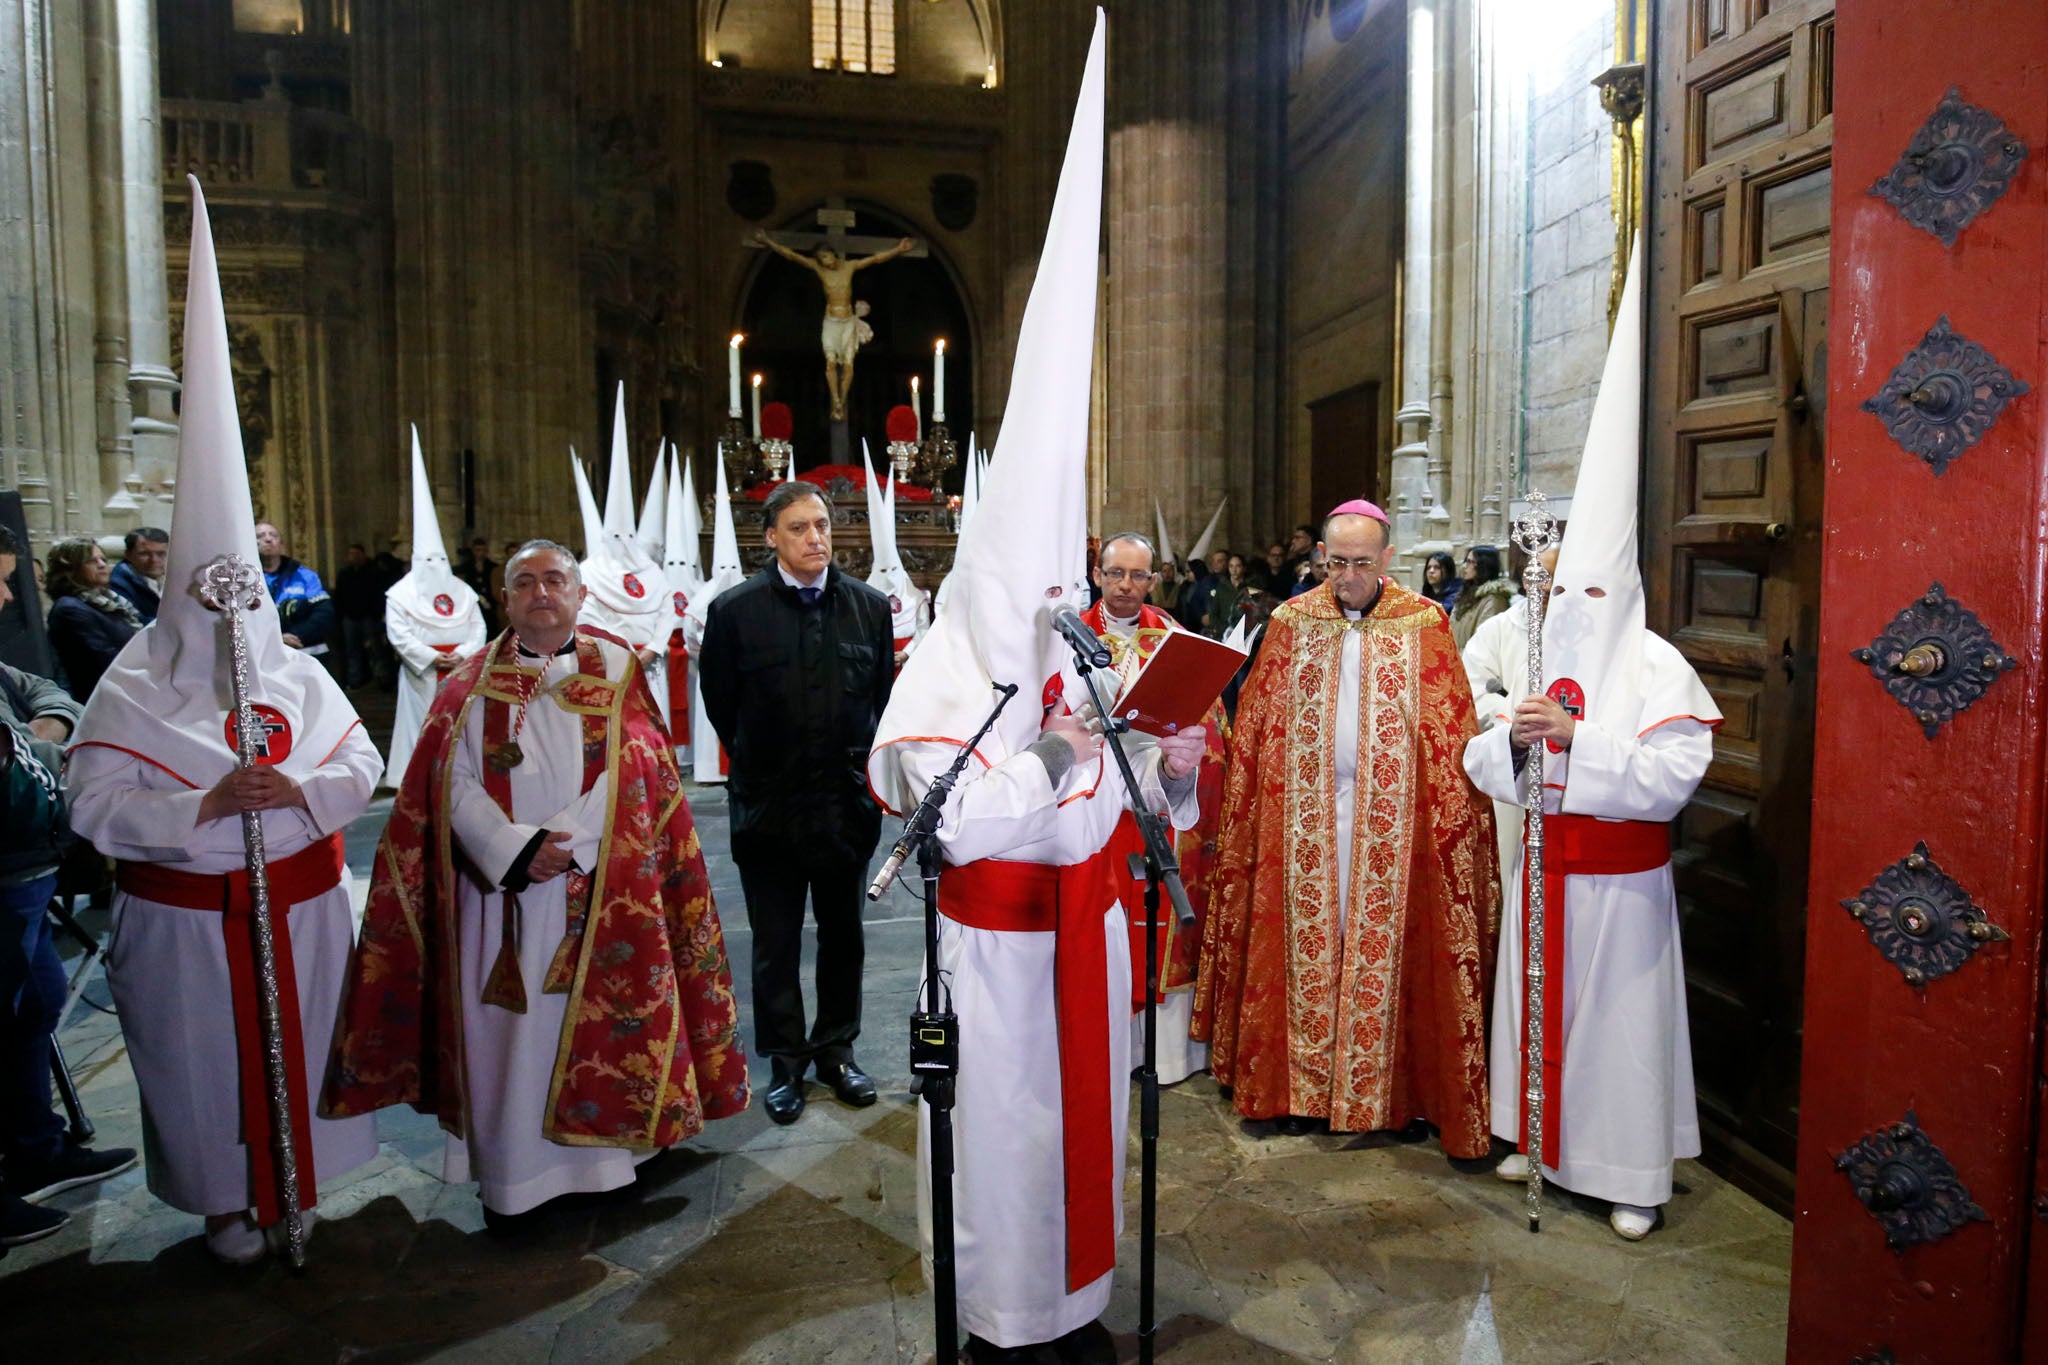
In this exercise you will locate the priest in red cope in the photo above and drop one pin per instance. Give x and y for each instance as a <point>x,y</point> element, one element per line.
<point>155,784</point>
<point>540,966</point>
<point>1352,932</point>
<point>1133,632</point>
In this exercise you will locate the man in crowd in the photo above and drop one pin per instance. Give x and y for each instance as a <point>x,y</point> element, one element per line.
<point>1301,543</point>
<point>1133,631</point>
<point>1629,730</point>
<point>1277,575</point>
<point>156,784</point>
<point>475,567</point>
<point>539,843</point>
<point>304,609</point>
<point>36,716</point>
<point>1344,977</point>
<point>359,594</point>
<point>797,663</point>
<point>139,576</point>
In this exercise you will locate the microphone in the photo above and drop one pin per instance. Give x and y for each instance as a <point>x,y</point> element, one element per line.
<point>1087,646</point>
<point>891,867</point>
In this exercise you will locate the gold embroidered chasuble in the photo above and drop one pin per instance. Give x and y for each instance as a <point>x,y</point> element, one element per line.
<point>1386,1022</point>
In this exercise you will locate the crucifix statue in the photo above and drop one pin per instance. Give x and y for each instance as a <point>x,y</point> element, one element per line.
<point>844,330</point>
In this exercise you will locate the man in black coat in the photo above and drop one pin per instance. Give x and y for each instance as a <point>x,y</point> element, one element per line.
<point>796,667</point>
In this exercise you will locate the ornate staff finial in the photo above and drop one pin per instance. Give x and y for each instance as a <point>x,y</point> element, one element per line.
<point>1536,529</point>
<point>230,580</point>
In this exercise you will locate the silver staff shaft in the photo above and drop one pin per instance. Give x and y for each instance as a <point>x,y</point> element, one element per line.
<point>1535,533</point>
<point>231,583</point>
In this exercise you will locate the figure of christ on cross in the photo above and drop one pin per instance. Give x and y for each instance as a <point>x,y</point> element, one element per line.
<point>843,331</point>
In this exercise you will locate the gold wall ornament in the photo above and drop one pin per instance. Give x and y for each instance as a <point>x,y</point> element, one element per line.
<point>1623,97</point>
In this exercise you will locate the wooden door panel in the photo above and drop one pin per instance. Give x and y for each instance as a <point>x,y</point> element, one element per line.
<point>1740,177</point>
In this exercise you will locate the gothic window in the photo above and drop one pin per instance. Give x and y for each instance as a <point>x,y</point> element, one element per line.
<point>269,16</point>
<point>854,35</point>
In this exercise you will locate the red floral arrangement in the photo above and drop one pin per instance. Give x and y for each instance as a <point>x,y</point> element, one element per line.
<point>902,423</point>
<point>776,422</point>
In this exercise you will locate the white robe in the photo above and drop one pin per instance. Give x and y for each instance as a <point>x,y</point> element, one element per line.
<point>511,1057</point>
<point>168,968</point>
<point>1628,1106</point>
<point>1496,660</point>
<point>1009,1190</point>
<point>413,639</point>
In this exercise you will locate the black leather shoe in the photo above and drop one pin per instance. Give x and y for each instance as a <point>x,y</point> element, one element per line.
<point>785,1099</point>
<point>981,1352</point>
<point>1297,1125</point>
<point>852,1085</point>
<point>1087,1345</point>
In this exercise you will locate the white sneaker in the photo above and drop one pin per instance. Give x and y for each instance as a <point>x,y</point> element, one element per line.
<point>1514,1168</point>
<point>239,1243</point>
<point>1632,1222</point>
<point>274,1235</point>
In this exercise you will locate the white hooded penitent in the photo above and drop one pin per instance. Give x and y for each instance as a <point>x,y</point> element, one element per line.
<point>887,575</point>
<point>1594,637</point>
<point>167,695</point>
<point>429,612</point>
<point>1012,570</point>
<point>628,595</point>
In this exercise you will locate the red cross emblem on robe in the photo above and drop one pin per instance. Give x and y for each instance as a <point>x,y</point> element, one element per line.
<point>444,605</point>
<point>633,588</point>
<point>274,734</point>
<point>1567,693</point>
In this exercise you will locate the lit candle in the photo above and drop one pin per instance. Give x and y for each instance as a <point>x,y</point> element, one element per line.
<point>757,407</point>
<point>916,408</point>
<point>939,381</point>
<point>732,375</point>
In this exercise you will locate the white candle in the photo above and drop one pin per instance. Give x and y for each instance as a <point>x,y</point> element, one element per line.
<point>939,381</point>
<point>732,375</point>
<point>757,407</point>
<point>916,407</point>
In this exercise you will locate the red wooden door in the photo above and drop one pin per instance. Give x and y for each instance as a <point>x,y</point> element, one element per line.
<point>1916,815</point>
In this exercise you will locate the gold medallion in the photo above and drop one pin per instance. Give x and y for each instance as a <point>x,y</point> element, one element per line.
<point>503,758</point>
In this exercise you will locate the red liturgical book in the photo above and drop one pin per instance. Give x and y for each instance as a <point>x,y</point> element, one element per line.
<point>1179,683</point>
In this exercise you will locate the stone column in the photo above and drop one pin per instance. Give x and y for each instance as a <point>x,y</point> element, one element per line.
<point>47,423</point>
<point>1411,459</point>
<point>152,385</point>
<point>136,428</point>
<point>1167,270</point>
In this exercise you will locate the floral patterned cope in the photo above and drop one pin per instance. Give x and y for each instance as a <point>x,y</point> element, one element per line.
<point>650,1046</point>
<point>1179,948</point>
<point>1386,1022</point>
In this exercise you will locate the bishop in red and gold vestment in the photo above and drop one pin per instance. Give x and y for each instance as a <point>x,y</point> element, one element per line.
<point>540,965</point>
<point>1132,631</point>
<point>1351,935</point>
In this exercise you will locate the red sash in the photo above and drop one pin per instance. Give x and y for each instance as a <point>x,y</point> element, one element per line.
<point>1069,902</point>
<point>312,871</point>
<point>1575,846</point>
<point>678,689</point>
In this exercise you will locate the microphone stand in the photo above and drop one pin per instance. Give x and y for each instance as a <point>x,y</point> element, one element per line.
<point>1162,870</point>
<point>935,1032</point>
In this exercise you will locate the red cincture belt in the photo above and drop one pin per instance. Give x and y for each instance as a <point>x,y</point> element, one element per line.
<point>312,871</point>
<point>1069,902</point>
<point>1576,846</point>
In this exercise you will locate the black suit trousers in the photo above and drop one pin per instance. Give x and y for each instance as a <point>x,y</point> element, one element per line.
<point>776,890</point>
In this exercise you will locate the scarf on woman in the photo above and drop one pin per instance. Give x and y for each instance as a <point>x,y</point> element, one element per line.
<point>108,601</point>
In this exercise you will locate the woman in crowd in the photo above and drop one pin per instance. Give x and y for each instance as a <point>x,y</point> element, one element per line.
<point>1226,599</point>
<point>89,621</point>
<point>1485,593</point>
<point>1440,581</point>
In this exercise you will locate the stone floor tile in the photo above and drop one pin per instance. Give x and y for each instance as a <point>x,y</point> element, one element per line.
<point>1736,1287</point>
<point>1646,1339</point>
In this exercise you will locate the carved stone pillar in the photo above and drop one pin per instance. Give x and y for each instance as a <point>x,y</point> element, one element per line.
<point>1412,497</point>
<point>1167,271</point>
<point>47,422</point>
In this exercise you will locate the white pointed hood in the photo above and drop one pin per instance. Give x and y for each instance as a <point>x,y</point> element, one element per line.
<point>620,540</point>
<point>970,492</point>
<point>887,574</point>
<point>168,695</point>
<point>726,569</point>
<point>1201,550</point>
<point>628,595</point>
<point>586,505</point>
<point>1596,648</point>
<point>1012,570</point>
<point>1165,541</point>
<point>679,535</point>
<point>432,592</point>
<point>653,531</point>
